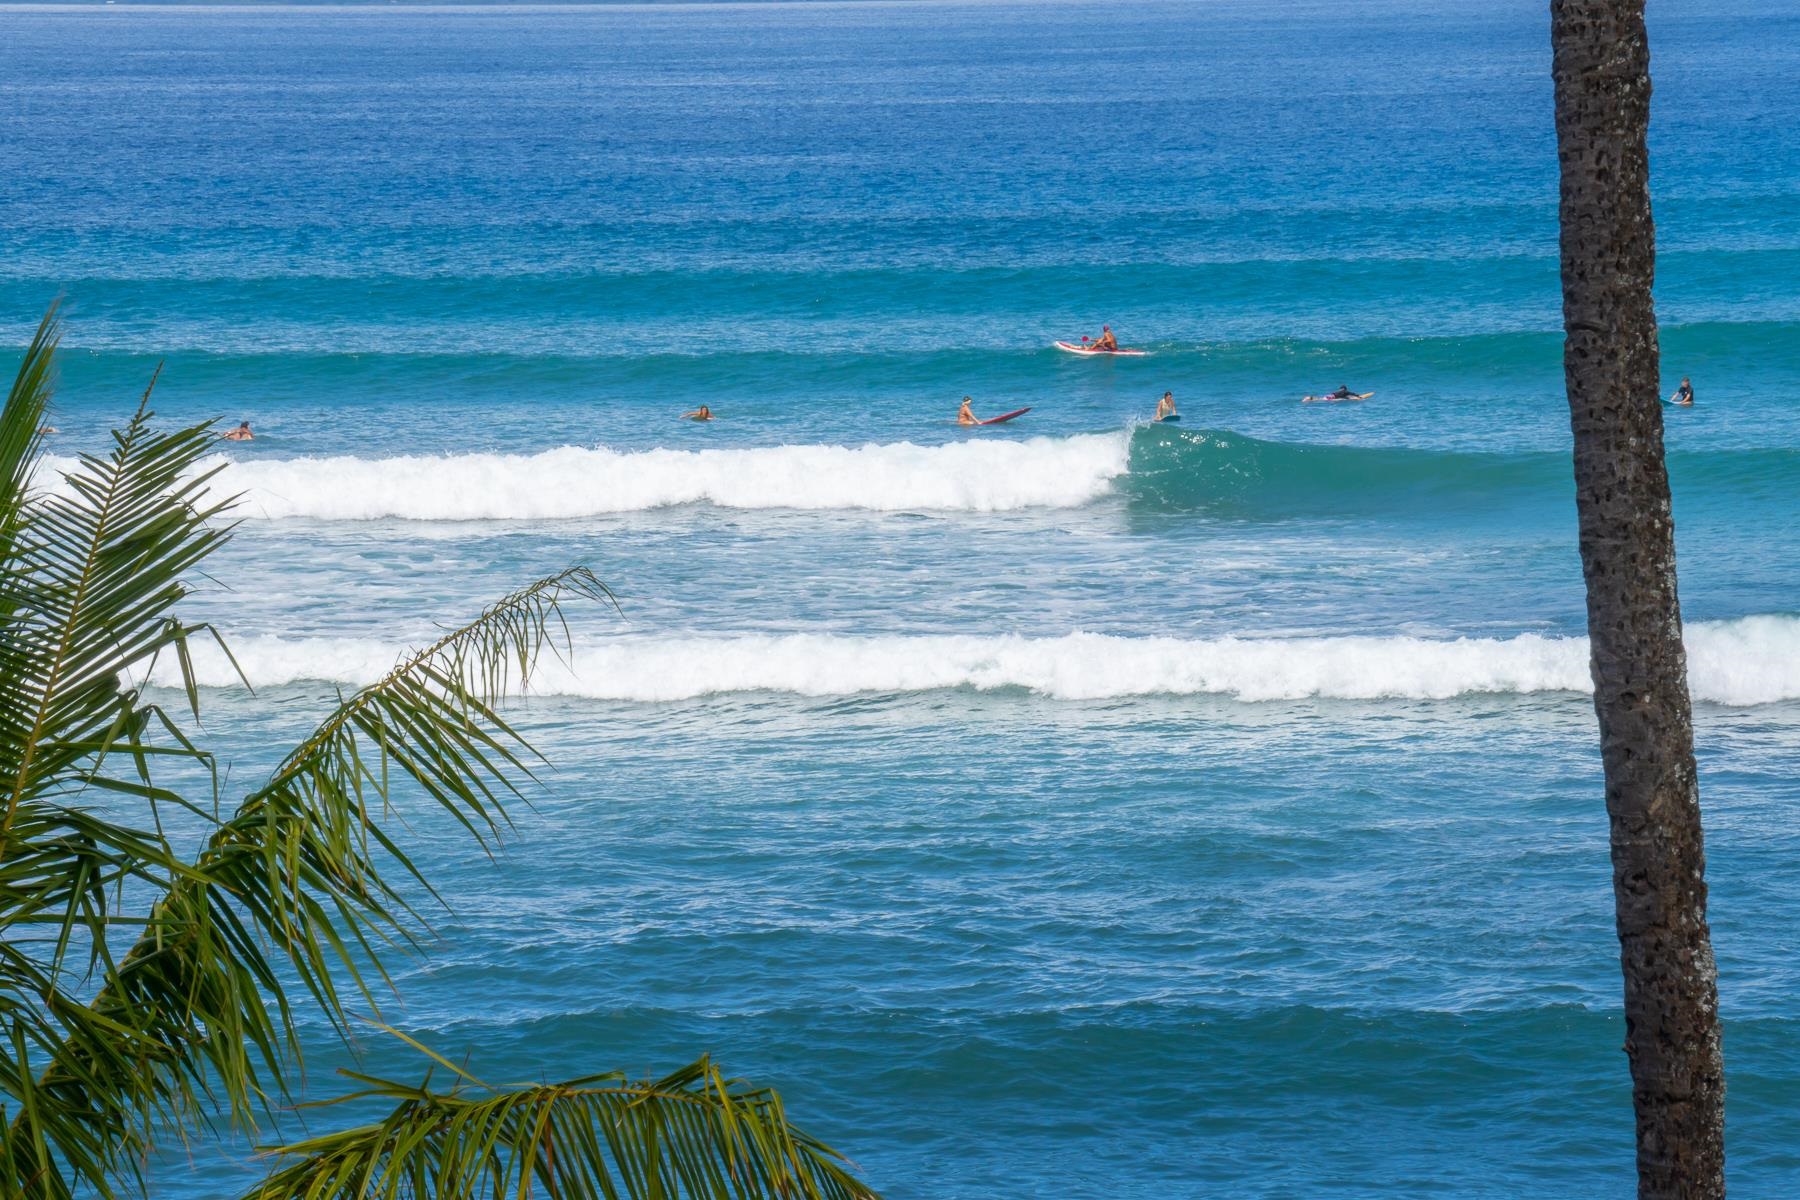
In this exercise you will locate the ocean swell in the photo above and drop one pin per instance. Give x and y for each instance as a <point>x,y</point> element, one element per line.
<point>1753,660</point>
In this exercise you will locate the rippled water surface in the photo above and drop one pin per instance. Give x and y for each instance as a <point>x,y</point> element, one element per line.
<point>1076,807</point>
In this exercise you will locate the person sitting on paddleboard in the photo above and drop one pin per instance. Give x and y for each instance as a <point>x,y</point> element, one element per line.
<point>966,415</point>
<point>1106,340</point>
<point>240,434</point>
<point>1165,408</point>
<point>1684,395</point>
<point>702,413</point>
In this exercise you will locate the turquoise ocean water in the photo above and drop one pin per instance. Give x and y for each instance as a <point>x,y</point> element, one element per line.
<point>1076,807</point>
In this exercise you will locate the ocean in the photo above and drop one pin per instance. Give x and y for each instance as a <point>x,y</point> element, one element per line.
<point>1076,807</point>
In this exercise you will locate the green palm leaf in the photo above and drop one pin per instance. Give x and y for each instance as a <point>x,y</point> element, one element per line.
<point>21,425</point>
<point>304,878</point>
<point>694,1133</point>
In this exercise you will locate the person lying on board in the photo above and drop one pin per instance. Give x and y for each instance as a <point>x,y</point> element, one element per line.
<point>966,415</point>
<point>1106,340</point>
<point>702,413</point>
<point>1165,408</point>
<point>240,434</point>
<point>1684,395</point>
<point>1342,393</point>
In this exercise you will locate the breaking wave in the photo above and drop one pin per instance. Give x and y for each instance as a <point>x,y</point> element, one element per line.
<point>1753,660</point>
<point>1152,468</point>
<point>989,475</point>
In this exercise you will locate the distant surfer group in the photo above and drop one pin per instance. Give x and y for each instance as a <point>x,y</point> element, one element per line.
<point>1106,343</point>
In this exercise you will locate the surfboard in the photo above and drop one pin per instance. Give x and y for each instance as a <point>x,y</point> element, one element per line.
<point>1169,418</point>
<point>1072,348</point>
<point>1017,412</point>
<point>1334,399</point>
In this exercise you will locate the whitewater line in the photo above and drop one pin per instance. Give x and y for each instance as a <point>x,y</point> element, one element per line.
<point>989,475</point>
<point>1754,660</point>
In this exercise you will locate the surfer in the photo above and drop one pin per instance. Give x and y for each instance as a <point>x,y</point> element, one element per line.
<point>966,415</point>
<point>1342,393</point>
<point>1106,341</point>
<point>1684,395</point>
<point>1165,408</point>
<point>702,413</point>
<point>240,434</point>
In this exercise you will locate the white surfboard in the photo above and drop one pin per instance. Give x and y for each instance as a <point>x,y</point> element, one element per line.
<point>1072,348</point>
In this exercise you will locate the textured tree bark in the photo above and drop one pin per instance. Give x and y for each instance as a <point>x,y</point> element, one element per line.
<point>1601,64</point>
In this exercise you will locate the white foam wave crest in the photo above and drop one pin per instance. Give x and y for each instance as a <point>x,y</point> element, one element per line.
<point>1755,660</point>
<point>985,475</point>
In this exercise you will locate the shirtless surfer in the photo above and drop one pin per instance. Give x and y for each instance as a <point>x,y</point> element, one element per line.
<point>240,434</point>
<point>1106,341</point>
<point>1165,408</point>
<point>966,415</point>
<point>702,413</point>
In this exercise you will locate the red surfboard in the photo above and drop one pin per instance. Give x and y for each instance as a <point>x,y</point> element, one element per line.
<point>1017,412</point>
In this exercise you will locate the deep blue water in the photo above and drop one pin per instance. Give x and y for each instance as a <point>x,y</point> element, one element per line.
<point>1075,807</point>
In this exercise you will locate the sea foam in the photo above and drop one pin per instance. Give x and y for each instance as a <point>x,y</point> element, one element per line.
<point>985,475</point>
<point>1754,660</point>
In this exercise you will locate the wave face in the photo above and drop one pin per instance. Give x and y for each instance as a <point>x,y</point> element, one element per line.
<point>1753,660</point>
<point>1230,474</point>
<point>1155,468</point>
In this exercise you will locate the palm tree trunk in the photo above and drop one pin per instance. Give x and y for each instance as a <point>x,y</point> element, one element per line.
<point>1602,74</point>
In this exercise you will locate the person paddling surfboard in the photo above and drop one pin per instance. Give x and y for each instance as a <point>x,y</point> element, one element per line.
<point>1342,393</point>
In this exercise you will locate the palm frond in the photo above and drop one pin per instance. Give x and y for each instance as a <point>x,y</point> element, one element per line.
<point>692,1134</point>
<point>304,875</point>
<point>22,422</point>
<point>98,568</point>
<point>91,573</point>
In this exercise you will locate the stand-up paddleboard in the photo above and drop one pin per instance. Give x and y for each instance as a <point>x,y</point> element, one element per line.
<point>1072,348</point>
<point>1334,399</point>
<point>1017,412</point>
